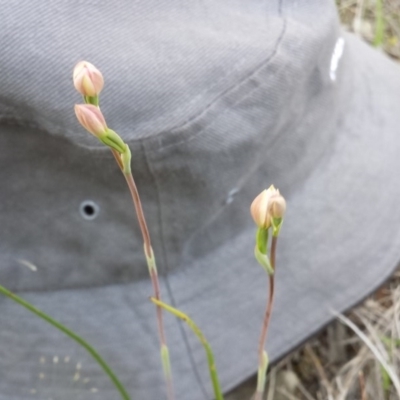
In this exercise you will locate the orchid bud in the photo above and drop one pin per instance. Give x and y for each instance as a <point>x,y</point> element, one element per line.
<point>277,205</point>
<point>259,208</point>
<point>88,80</point>
<point>91,118</point>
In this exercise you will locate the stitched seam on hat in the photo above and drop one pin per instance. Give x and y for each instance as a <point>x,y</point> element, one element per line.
<point>54,127</point>
<point>32,125</point>
<point>12,119</point>
<point>200,94</point>
<point>222,95</point>
<point>205,110</point>
<point>9,120</point>
<point>15,120</point>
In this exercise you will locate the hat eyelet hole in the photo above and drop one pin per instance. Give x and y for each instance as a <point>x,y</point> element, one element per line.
<point>89,210</point>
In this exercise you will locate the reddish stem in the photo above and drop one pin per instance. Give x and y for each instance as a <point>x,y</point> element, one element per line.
<point>267,318</point>
<point>140,214</point>
<point>268,311</point>
<point>149,255</point>
<point>138,208</point>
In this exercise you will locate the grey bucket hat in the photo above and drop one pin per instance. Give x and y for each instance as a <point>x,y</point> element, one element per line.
<point>217,100</point>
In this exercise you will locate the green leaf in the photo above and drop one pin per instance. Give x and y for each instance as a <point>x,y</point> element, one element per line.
<point>264,261</point>
<point>210,356</point>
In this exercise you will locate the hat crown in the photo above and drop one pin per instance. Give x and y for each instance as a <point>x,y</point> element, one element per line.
<point>243,99</point>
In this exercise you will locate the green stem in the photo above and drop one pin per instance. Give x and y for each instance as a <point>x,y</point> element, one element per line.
<point>261,375</point>
<point>124,394</point>
<point>203,340</point>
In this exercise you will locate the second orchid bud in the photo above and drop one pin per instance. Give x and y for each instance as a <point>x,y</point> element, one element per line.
<point>92,119</point>
<point>88,80</point>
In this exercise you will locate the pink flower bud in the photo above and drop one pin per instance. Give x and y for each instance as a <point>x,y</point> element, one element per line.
<point>91,118</point>
<point>261,207</point>
<point>88,80</point>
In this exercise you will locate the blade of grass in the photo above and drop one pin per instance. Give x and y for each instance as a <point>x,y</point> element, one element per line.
<point>389,343</point>
<point>320,370</point>
<point>90,349</point>
<point>271,384</point>
<point>373,348</point>
<point>379,24</point>
<point>199,334</point>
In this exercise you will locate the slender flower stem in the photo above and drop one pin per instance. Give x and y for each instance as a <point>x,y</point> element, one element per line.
<point>267,317</point>
<point>210,356</point>
<point>151,263</point>
<point>140,214</point>
<point>138,205</point>
<point>124,394</point>
<point>117,159</point>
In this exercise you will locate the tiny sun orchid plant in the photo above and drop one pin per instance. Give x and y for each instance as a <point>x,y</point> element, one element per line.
<point>91,118</point>
<point>267,210</point>
<point>89,81</point>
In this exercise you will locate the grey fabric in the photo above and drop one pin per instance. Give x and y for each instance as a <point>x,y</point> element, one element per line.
<point>217,100</point>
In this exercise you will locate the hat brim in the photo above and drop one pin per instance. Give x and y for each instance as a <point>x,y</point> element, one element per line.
<point>340,241</point>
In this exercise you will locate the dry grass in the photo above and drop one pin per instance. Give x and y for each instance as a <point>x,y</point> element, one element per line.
<point>377,21</point>
<point>355,358</point>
